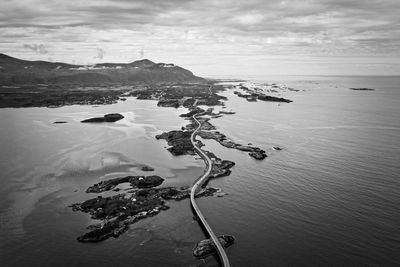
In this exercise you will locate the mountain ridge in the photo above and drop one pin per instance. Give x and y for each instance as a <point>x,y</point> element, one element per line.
<point>15,71</point>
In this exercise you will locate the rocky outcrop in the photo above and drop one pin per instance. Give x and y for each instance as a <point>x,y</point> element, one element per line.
<point>206,247</point>
<point>147,169</point>
<point>254,152</point>
<point>119,211</point>
<point>254,96</point>
<point>169,103</point>
<point>179,141</point>
<point>220,167</point>
<point>263,97</point>
<point>113,117</point>
<point>259,155</point>
<point>192,112</point>
<point>362,89</point>
<point>135,181</point>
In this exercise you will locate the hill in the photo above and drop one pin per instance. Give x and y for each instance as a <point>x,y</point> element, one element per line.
<point>14,71</point>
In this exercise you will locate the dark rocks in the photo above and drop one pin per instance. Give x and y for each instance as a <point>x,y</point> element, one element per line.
<point>185,94</point>
<point>207,192</point>
<point>113,117</point>
<point>255,152</point>
<point>147,169</point>
<point>189,102</point>
<point>220,167</point>
<point>135,181</point>
<point>245,148</point>
<point>206,247</point>
<point>171,193</point>
<point>276,148</point>
<point>59,122</point>
<point>228,144</point>
<point>254,95</point>
<point>192,112</point>
<point>146,182</point>
<point>179,141</point>
<point>259,155</point>
<point>142,94</point>
<point>119,211</point>
<point>56,96</point>
<point>168,103</point>
<point>111,229</point>
<point>226,112</point>
<point>362,89</point>
<point>272,98</point>
<point>212,135</point>
<point>206,126</point>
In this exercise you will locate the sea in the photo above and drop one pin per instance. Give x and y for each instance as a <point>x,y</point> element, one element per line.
<point>330,197</point>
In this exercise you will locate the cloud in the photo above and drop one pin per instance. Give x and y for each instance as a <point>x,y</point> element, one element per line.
<point>249,19</point>
<point>201,29</point>
<point>38,48</point>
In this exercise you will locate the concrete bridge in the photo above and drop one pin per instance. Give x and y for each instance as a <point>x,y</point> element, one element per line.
<point>199,183</point>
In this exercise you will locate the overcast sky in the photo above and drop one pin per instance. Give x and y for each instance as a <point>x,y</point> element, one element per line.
<point>210,37</point>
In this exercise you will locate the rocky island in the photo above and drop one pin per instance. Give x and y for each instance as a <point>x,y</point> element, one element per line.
<point>362,89</point>
<point>206,247</point>
<point>119,211</point>
<point>113,117</point>
<point>134,181</point>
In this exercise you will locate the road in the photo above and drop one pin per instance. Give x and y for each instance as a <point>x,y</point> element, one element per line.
<point>199,182</point>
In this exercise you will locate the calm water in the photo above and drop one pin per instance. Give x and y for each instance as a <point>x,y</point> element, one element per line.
<point>330,198</point>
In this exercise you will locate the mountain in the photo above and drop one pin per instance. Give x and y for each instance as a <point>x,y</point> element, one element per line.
<point>14,71</point>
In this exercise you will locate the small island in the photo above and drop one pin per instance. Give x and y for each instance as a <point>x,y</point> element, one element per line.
<point>139,201</point>
<point>362,89</point>
<point>113,117</point>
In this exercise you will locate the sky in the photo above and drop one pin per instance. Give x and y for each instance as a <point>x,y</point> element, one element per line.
<point>222,38</point>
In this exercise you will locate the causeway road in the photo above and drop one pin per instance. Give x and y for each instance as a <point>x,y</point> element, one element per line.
<point>198,183</point>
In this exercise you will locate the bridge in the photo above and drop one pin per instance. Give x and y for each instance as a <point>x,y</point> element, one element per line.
<point>199,183</point>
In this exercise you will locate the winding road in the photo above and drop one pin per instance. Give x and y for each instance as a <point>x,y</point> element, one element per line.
<point>198,183</point>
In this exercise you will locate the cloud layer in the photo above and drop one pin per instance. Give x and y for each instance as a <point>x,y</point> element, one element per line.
<point>211,37</point>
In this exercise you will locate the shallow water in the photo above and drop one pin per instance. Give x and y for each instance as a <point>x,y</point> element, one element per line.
<point>330,197</point>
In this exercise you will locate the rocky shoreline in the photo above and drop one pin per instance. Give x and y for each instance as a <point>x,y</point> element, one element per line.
<point>206,247</point>
<point>134,181</point>
<point>252,95</point>
<point>57,96</point>
<point>179,142</point>
<point>119,211</point>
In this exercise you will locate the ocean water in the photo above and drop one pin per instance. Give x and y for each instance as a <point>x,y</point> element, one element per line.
<point>330,197</point>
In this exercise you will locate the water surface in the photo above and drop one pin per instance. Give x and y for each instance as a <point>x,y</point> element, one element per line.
<point>330,197</point>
